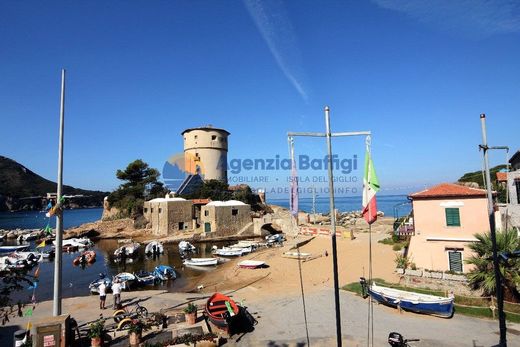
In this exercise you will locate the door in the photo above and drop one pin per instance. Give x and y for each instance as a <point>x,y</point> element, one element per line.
<point>207,227</point>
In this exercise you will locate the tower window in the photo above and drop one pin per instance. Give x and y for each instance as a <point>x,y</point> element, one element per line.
<point>196,137</point>
<point>213,137</point>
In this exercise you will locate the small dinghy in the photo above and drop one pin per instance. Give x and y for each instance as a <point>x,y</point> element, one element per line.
<point>251,264</point>
<point>244,249</point>
<point>29,236</point>
<point>30,257</point>
<point>128,250</point>
<point>154,248</point>
<point>164,272</point>
<point>185,246</point>
<point>46,254</point>
<point>145,278</point>
<point>228,252</point>
<point>410,301</point>
<point>69,248</point>
<point>93,286</point>
<point>200,262</point>
<point>127,280</point>
<point>276,239</point>
<point>296,255</point>
<point>87,257</point>
<point>9,249</point>
<point>221,310</point>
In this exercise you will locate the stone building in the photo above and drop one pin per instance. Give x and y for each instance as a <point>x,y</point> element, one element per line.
<point>226,217</point>
<point>511,211</point>
<point>167,216</point>
<point>205,152</point>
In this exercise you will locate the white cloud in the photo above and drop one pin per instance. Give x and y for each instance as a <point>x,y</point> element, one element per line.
<point>474,18</point>
<point>276,29</point>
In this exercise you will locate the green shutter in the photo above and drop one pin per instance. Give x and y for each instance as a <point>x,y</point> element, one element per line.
<point>455,261</point>
<point>452,217</point>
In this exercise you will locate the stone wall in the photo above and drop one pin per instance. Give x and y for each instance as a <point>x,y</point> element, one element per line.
<point>223,220</point>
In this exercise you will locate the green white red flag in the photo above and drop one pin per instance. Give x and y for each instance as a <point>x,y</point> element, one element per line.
<point>370,188</point>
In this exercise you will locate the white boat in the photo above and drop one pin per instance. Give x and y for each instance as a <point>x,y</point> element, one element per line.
<point>8,249</point>
<point>154,247</point>
<point>296,255</point>
<point>29,236</point>
<point>228,252</point>
<point>126,279</point>
<point>129,250</point>
<point>247,243</point>
<point>185,246</point>
<point>76,242</point>
<point>251,264</point>
<point>30,257</point>
<point>245,249</point>
<point>200,262</point>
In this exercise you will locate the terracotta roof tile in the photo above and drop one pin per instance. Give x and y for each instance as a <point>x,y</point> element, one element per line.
<point>502,176</point>
<point>449,190</point>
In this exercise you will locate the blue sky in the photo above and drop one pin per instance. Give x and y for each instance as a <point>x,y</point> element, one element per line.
<point>417,75</point>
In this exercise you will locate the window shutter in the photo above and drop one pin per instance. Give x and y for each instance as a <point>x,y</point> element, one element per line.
<point>452,217</point>
<point>455,259</point>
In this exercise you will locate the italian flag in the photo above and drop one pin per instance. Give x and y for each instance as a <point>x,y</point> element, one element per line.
<point>370,188</point>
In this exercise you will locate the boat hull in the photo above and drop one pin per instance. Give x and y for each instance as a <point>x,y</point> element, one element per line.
<point>218,313</point>
<point>442,308</point>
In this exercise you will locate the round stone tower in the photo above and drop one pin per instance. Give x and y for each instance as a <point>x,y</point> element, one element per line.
<point>205,152</point>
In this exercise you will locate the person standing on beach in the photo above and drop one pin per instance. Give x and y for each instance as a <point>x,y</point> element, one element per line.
<point>102,295</point>
<point>116,290</point>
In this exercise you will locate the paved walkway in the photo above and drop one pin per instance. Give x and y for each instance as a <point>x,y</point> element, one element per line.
<point>281,323</point>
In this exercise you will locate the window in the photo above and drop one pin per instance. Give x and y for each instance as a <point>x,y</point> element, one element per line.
<point>213,137</point>
<point>517,186</point>
<point>181,225</point>
<point>196,137</point>
<point>145,210</point>
<point>160,210</point>
<point>206,213</point>
<point>151,210</point>
<point>234,212</point>
<point>455,261</point>
<point>452,217</point>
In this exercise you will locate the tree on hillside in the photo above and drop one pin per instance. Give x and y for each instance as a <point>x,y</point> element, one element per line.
<point>483,277</point>
<point>141,183</point>
<point>215,190</point>
<point>477,177</point>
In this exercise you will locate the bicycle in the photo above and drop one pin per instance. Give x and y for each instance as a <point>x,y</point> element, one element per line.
<point>124,316</point>
<point>397,340</point>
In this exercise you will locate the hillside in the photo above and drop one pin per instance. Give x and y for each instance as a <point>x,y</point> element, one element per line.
<point>477,177</point>
<point>17,183</point>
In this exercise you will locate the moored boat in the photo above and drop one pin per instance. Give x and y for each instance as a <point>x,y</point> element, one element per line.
<point>127,280</point>
<point>87,257</point>
<point>93,286</point>
<point>220,310</point>
<point>164,272</point>
<point>296,255</point>
<point>200,262</point>
<point>228,252</point>
<point>410,301</point>
<point>128,250</point>
<point>185,246</point>
<point>154,248</point>
<point>145,278</point>
<point>9,249</point>
<point>251,264</point>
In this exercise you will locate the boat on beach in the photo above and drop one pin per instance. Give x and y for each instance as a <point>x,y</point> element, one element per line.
<point>154,248</point>
<point>200,262</point>
<point>164,272</point>
<point>220,310</point>
<point>251,264</point>
<point>409,301</point>
<point>296,255</point>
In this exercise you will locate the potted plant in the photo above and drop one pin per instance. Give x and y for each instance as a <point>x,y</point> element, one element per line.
<point>190,313</point>
<point>95,332</point>
<point>135,331</point>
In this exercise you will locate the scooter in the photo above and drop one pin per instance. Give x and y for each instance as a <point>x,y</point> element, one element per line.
<point>397,340</point>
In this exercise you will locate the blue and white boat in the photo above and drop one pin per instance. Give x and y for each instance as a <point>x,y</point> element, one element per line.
<point>93,286</point>
<point>164,272</point>
<point>9,249</point>
<point>409,301</point>
<point>127,280</point>
<point>145,278</point>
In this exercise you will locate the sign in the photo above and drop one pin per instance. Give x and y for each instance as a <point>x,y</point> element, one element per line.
<point>48,341</point>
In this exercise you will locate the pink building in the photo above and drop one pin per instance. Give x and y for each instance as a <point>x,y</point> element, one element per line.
<point>446,217</point>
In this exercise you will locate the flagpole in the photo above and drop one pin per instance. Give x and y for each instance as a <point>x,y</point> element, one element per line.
<point>59,215</point>
<point>333,226</point>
